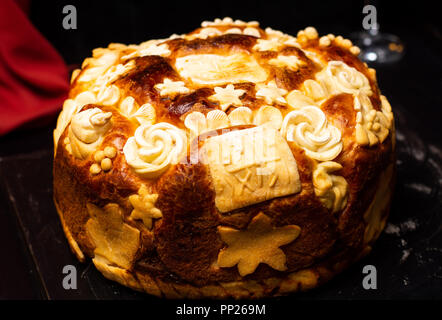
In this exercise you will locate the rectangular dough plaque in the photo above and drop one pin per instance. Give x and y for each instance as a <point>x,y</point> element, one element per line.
<point>250,166</point>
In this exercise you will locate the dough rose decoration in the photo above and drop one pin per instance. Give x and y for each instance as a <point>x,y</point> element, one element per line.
<point>144,207</point>
<point>87,130</point>
<point>309,129</point>
<point>331,189</point>
<point>338,77</point>
<point>259,243</point>
<point>154,148</point>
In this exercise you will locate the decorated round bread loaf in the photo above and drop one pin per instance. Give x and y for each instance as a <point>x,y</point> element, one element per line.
<point>231,161</point>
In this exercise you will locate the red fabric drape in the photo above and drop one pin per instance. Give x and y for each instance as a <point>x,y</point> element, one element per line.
<point>33,76</point>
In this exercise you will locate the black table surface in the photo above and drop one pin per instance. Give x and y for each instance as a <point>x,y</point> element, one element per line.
<point>408,255</point>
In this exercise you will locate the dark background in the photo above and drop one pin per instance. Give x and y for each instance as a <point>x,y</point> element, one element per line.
<point>413,86</point>
<point>102,22</point>
<point>417,23</point>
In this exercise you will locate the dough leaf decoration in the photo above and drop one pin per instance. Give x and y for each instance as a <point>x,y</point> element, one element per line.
<point>114,240</point>
<point>259,243</point>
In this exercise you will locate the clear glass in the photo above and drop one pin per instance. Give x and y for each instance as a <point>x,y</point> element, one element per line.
<point>379,48</point>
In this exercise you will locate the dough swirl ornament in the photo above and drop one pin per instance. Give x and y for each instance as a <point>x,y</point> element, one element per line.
<point>154,148</point>
<point>293,175</point>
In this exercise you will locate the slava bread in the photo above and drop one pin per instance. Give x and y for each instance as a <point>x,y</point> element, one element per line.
<point>231,161</point>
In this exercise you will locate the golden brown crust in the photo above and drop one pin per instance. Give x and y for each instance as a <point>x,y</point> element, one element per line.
<point>300,280</point>
<point>177,257</point>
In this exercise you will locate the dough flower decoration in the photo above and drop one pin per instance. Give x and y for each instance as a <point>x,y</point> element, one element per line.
<point>331,189</point>
<point>228,96</point>
<point>171,88</point>
<point>259,243</point>
<point>149,48</point>
<point>154,148</point>
<point>268,45</point>
<point>372,126</point>
<point>144,114</point>
<point>155,50</point>
<point>144,208</point>
<point>338,77</point>
<point>291,62</point>
<point>198,123</point>
<point>309,129</point>
<point>70,108</point>
<point>271,93</point>
<point>275,40</point>
<point>87,130</point>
